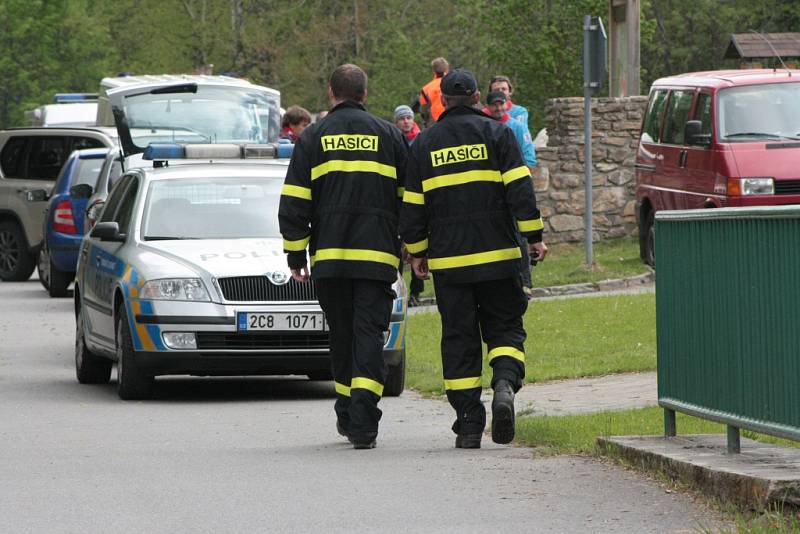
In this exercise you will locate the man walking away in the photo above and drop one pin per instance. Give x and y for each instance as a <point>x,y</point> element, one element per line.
<point>340,199</point>
<point>467,194</point>
<point>429,103</point>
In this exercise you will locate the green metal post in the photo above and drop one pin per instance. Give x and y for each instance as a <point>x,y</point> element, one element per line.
<point>734,445</point>
<point>669,423</point>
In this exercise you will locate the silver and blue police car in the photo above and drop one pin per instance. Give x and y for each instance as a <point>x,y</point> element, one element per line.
<point>184,271</point>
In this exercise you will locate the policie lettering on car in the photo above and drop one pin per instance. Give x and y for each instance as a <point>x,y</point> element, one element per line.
<point>458,154</point>
<point>350,142</point>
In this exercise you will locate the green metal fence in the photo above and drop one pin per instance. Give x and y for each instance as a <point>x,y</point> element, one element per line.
<point>728,318</point>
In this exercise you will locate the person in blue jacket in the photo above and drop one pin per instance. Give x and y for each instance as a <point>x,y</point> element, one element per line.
<point>496,107</point>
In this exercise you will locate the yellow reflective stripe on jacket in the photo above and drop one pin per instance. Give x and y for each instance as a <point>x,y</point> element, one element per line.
<point>359,382</point>
<point>506,351</point>
<point>475,259</point>
<point>515,174</point>
<point>401,191</point>
<point>295,246</point>
<point>410,197</point>
<point>419,246</point>
<point>341,389</point>
<point>456,384</point>
<point>460,178</point>
<point>296,191</point>
<point>340,165</point>
<point>355,254</point>
<point>530,225</point>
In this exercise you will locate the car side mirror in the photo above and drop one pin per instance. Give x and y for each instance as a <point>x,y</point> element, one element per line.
<point>107,231</point>
<point>693,134</point>
<point>81,191</point>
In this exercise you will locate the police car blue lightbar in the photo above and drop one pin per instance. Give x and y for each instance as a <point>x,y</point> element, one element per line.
<point>210,151</point>
<point>63,98</point>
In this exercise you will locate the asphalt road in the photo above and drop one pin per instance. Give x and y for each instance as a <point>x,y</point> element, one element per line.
<point>262,455</point>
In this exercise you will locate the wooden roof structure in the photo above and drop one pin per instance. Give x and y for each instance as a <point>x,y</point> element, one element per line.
<point>755,45</point>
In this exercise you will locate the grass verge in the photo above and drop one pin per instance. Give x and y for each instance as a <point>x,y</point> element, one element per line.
<point>566,264</point>
<point>567,338</point>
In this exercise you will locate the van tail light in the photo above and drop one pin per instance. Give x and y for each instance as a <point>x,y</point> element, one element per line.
<point>751,186</point>
<point>63,220</point>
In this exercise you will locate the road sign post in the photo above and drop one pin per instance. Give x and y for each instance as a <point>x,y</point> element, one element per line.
<point>594,73</point>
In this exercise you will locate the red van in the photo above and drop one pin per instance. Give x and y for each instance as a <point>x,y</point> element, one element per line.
<point>718,138</point>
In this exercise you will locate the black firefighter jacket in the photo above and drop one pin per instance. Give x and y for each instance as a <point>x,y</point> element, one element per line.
<point>342,194</point>
<point>468,194</point>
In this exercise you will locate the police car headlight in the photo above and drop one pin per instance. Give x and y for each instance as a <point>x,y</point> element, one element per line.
<point>175,289</point>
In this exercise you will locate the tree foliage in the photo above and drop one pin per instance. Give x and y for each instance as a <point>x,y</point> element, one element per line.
<point>49,46</point>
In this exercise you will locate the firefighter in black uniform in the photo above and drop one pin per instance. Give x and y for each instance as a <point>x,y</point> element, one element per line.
<point>467,188</point>
<point>341,199</point>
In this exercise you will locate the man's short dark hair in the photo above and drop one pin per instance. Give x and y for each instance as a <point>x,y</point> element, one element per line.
<point>349,82</point>
<point>451,101</point>
<point>501,78</point>
<point>440,66</point>
<point>295,115</point>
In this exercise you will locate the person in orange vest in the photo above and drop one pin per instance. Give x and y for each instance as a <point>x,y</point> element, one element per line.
<point>429,104</point>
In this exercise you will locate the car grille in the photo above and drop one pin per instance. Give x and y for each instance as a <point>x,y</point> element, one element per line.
<point>787,187</point>
<point>260,289</point>
<point>261,341</point>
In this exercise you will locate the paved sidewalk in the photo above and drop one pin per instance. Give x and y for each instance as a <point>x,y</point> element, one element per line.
<point>586,395</point>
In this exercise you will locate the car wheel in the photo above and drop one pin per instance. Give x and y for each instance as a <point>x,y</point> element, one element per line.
<point>43,266</point>
<point>59,281</point>
<point>396,379</point>
<point>649,239</point>
<point>16,261</point>
<point>89,368</point>
<point>132,382</point>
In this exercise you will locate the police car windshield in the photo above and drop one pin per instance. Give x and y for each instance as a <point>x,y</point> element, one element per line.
<point>758,112</point>
<point>211,115</point>
<point>212,208</point>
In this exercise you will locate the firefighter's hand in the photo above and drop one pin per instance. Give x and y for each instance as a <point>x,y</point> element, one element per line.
<point>537,250</point>
<point>301,274</point>
<point>420,266</point>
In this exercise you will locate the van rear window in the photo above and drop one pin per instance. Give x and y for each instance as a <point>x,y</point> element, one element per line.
<point>651,132</point>
<point>677,114</point>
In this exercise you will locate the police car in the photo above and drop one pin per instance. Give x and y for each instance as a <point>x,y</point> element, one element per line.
<point>184,272</point>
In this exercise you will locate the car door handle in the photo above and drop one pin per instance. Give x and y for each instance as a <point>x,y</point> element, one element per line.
<point>682,158</point>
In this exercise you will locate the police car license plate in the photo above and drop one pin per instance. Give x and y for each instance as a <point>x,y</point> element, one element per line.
<point>281,322</point>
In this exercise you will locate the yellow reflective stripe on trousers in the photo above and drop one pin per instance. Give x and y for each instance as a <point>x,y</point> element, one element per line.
<point>359,382</point>
<point>507,351</point>
<point>531,225</point>
<point>410,197</point>
<point>515,174</point>
<point>341,165</point>
<point>355,254</point>
<point>460,178</point>
<point>296,191</point>
<point>419,246</point>
<point>401,191</point>
<point>456,384</point>
<point>295,246</point>
<point>341,389</point>
<point>479,258</point>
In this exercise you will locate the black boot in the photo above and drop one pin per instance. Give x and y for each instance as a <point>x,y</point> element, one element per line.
<point>468,441</point>
<point>503,412</point>
<point>343,431</point>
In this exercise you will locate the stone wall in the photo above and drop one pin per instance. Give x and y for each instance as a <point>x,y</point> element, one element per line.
<point>559,181</point>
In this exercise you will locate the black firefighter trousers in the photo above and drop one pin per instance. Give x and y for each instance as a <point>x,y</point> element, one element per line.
<point>491,310</point>
<point>358,313</point>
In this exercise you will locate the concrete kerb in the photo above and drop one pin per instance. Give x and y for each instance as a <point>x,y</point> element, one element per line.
<point>641,281</point>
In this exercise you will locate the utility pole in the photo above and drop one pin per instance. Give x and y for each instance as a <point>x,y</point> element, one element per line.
<point>624,57</point>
